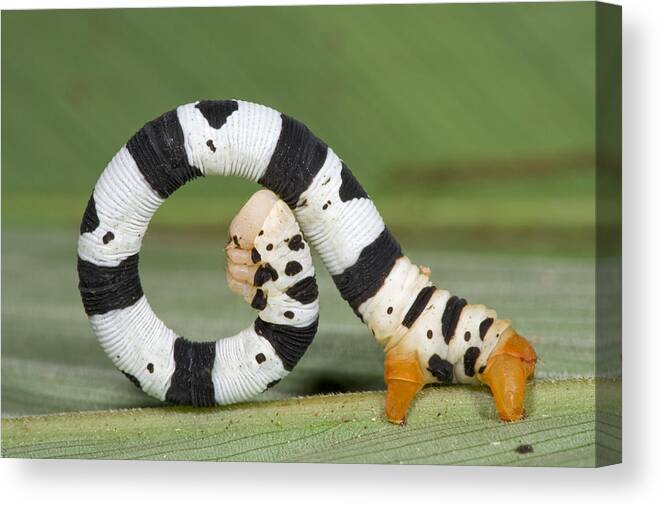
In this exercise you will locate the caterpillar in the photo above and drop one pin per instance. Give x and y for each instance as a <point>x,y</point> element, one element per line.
<point>428,335</point>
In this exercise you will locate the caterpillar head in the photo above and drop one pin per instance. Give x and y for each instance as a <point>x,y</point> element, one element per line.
<point>508,368</point>
<point>243,230</point>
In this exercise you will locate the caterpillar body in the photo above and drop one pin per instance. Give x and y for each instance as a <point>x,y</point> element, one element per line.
<point>428,335</point>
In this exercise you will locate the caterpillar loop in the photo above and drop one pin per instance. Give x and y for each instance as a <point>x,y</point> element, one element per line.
<point>429,335</point>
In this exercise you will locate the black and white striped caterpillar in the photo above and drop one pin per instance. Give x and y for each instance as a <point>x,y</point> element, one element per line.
<point>429,336</point>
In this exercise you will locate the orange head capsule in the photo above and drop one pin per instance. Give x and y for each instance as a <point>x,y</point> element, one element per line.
<point>510,364</point>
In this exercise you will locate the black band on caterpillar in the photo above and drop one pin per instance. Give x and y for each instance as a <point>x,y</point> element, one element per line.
<point>103,289</point>
<point>362,280</point>
<point>158,150</point>
<point>191,382</point>
<point>297,158</point>
<point>451,316</point>
<point>289,342</point>
<point>305,291</point>
<point>418,306</point>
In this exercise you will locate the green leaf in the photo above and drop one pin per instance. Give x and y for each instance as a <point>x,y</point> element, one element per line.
<point>449,425</point>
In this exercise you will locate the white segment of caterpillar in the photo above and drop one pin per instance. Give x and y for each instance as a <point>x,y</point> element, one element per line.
<point>429,336</point>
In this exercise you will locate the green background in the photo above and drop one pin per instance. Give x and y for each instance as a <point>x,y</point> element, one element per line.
<point>471,126</point>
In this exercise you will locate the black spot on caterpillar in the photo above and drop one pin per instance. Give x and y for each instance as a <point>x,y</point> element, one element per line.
<point>259,300</point>
<point>484,327</point>
<point>289,314</point>
<point>269,247</point>
<point>481,370</point>
<point>293,268</point>
<point>441,369</point>
<point>264,274</point>
<point>236,241</point>
<point>418,306</point>
<point>90,219</point>
<point>430,334</point>
<point>211,146</point>
<point>150,367</point>
<point>191,382</point>
<point>296,160</point>
<point>108,237</point>
<point>158,150</point>
<point>216,112</point>
<point>103,289</point>
<point>350,188</point>
<point>254,256</point>
<point>361,281</point>
<point>289,342</point>
<point>134,380</point>
<point>304,291</point>
<point>296,243</point>
<point>450,317</point>
<point>470,357</point>
<point>467,336</point>
<point>389,310</point>
<point>260,358</point>
<point>272,383</point>
<point>524,449</point>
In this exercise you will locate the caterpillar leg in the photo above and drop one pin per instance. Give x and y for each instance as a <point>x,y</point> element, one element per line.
<point>404,379</point>
<point>507,369</point>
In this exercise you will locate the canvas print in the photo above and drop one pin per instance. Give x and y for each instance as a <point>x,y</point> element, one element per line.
<point>341,234</point>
